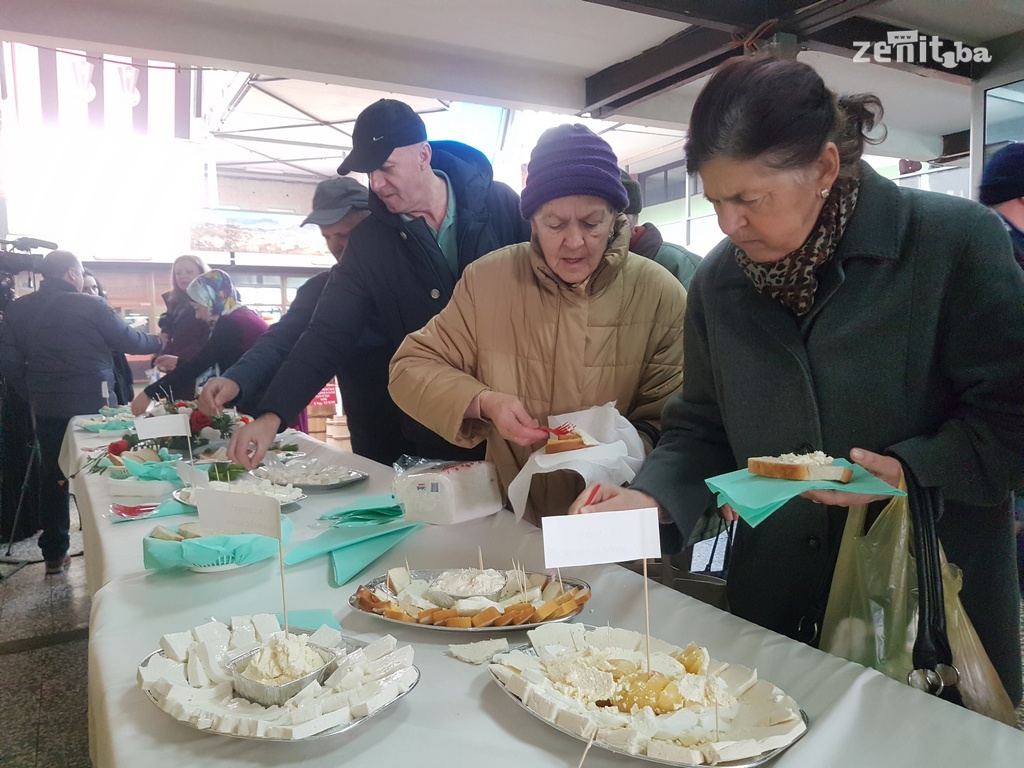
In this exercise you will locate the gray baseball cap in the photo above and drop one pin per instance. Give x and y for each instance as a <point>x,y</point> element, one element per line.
<point>334,198</point>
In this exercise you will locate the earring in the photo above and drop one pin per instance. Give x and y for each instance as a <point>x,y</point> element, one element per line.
<point>823,193</point>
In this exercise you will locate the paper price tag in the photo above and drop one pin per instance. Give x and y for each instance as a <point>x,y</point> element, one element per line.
<point>601,537</point>
<point>162,426</point>
<point>239,512</point>
<point>189,475</point>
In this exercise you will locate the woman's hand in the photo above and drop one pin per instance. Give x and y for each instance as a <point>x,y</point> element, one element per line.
<point>141,403</point>
<point>886,468</point>
<point>510,418</point>
<point>166,363</point>
<point>215,394</point>
<point>249,444</point>
<point>612,498</point>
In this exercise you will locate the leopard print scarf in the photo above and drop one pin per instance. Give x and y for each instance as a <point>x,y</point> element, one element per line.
<point>793,279</point>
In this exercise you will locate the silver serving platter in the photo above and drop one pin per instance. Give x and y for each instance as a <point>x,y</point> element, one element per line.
<point>759,760</point>
<point>176,493</point>
<point>349,644</point>
<point>352,476</point>
<point>381,582</point>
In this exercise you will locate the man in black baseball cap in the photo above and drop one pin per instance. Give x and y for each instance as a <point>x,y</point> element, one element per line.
<point>380,129</point>
<point>434,209</point>
<point>339,206</point>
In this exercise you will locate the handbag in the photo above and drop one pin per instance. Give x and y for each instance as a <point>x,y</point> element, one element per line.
<point>894,606</point>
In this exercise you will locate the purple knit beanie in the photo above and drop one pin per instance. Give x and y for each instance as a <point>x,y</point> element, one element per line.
<point>571,160</point>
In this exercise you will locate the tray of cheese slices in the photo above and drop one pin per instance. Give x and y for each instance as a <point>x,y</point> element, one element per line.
<point>471,599</point>
<point>684,709</point>
<point>249,679</point>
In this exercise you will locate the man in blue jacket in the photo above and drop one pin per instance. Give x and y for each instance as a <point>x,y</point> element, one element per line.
<point>55,350</point>
<point>434,209</point>
<point>339,205</point>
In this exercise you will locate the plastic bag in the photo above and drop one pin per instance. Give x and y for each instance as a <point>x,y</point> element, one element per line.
<point>871,617</point>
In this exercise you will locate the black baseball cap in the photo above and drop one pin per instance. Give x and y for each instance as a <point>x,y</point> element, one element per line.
<point>334,198</point>
<point>380,129</point>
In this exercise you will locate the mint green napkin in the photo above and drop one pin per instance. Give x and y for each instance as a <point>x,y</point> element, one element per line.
<point>313,618</point>
<point>166,508</point>
<point>336,538</point>
<point>351,560</point>
<point>156,470</point>
<point>366,510</point>
<point>754,497</point>
<point>237,548</point>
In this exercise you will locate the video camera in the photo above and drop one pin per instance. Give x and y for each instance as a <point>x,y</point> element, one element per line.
<point>14,259</point>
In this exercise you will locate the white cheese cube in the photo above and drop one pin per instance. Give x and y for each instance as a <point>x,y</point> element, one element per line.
<point>400,658</point>
<point>625,739</point>
<point>197,676</point>
<point>723,751</point>
<point>380,647</point>
<point>210,656</point>
<point>186,693</point>
<point>325,636</point>
<point>669,752</point>
<point>579,723</point>
<point>240,622</point>
<point>159,667</point>
<point>243,637</point>
<point>266,625</point>
<point>738,679</point>
<point>213,632</point>
<point>502,673</point>
<point>175,645</point>
<point>374,702</point>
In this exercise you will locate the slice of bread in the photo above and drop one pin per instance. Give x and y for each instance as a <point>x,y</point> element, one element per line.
<point>569,442</point>
<point>789,466</point>
<point>165,533</point>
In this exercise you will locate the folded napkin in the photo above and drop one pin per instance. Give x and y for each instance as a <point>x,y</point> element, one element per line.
<point>754,497</point>
<point>353,559</point>
<point>614,462</point>
<point>169,507</point>
<point>366,510</point>
<point>336,538</point>
<point>156,470</point>
<point>237,549</point>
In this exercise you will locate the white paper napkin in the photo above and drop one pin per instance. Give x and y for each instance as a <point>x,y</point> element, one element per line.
<point>614,462</point>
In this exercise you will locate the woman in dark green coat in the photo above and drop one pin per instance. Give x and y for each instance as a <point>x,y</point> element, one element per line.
<point>847,315</point>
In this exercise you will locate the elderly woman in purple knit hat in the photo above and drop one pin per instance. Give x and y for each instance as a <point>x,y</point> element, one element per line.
<point>569,320</point>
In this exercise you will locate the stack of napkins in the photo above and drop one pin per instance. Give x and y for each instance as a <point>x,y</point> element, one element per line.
<point>754,497</point>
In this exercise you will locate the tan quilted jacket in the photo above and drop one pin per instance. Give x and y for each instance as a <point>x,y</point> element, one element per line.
<point>512,326</point>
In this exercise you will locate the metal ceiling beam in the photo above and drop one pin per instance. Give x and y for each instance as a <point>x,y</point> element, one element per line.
<point>723,15</point>
<point>241,136</point>
<point>300,110</point>
<point>831,26</point>
<point>308,171</point>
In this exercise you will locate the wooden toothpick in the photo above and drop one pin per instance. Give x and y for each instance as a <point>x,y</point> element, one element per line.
<point>589,745</point>
<point>480,556</point>
<point>647,615</point>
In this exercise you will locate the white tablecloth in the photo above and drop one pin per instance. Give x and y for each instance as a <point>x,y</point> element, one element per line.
<point>457,716</point>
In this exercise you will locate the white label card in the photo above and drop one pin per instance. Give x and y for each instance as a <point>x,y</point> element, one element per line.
<point>162,426</point>
<point>193,476</point>
<point>600,537</point>
<point>239,512</point>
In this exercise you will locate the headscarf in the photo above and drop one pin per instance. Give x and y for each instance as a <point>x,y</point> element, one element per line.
<point>214,291</point>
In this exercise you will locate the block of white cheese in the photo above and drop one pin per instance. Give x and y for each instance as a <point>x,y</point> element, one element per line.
<point>449,494</point>
<point>478,653</point>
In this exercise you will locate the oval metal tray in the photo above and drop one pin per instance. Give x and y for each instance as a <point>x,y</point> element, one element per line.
<point>381,582</point>
<point>751,763</point>
<point>353,476</point>
<point>350,644</point>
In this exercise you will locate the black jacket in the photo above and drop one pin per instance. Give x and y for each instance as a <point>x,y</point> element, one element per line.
<point>55,349</point>
<point>390,282</point>
<point>258,366</point>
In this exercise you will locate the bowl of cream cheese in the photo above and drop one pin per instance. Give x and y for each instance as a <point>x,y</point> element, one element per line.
<point>280,668</point>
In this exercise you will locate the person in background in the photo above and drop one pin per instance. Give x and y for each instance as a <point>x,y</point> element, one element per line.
<point>124,390</point>
<point>569,320</point>
<point>55,349</point>
<point>339,205</point>
<point>1002,190</point>
<point>434,209</point>
<point>186,334</point>
<point>647,241</point>
<point>847,315</point>
<point>236,328</point>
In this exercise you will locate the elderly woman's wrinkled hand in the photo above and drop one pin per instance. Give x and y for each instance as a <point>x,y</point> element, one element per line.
<point>886,468</point>
<point>612,498</point>
<point>509,416</point>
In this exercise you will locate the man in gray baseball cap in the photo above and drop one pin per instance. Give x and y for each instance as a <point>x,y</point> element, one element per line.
<point>339,205</point>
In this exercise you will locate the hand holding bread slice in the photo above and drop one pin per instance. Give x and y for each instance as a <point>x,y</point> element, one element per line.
<point>790,466</point>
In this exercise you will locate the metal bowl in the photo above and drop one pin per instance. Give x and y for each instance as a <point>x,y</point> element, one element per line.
<point>269,695</point>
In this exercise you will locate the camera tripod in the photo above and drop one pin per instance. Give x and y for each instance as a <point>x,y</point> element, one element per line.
<point>33,461</point>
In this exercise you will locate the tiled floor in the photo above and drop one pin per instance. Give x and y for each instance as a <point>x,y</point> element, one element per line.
<point>44,625</point>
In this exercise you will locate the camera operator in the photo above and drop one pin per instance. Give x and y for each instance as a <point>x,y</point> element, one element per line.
<point>55,350</point>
